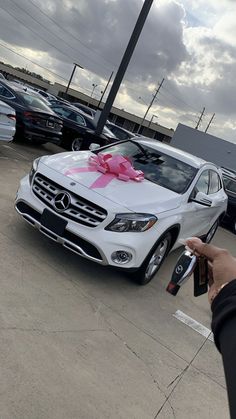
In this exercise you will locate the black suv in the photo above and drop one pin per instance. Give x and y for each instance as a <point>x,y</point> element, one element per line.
<point>35,121</point>
<point>229,179</point>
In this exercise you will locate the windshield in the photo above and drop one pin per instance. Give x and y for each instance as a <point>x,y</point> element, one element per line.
<point>35,102</point>
<point>157,167</point>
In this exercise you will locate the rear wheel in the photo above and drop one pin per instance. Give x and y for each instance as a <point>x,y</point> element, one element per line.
<point>76,144</point>
<point>154,260</point>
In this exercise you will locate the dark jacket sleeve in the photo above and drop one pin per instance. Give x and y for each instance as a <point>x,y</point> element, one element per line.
<point>224,330</point>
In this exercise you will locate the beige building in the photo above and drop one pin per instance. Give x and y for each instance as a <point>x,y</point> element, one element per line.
<point>118,116</point>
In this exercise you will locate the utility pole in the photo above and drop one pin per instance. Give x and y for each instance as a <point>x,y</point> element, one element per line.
<point>200,118</point>
<point>210,122</point>
<point>124,64</point>
<point>150,104</point>
<point>104,91</point>
<point>71,77</point>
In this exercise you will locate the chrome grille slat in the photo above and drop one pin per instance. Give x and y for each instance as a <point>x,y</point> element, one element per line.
<point>80,210</point>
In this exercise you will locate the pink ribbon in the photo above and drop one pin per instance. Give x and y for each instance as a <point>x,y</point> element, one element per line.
<point>111,167</point>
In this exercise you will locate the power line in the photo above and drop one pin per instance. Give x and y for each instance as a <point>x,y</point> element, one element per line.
<point>181,100</point>
<point>41,24</point>
<point>36,33</point>
<point>55,35</point>
<point>33,62</point>
<point>73,36</point>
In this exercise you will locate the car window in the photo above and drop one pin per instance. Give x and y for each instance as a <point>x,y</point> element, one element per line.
<point>157,167</point>
<point>34,101</point>
<point>202,184</point>
<point>122,135</point>
<point>215,182</point>
<point>230,184</point>
<point>62,111</point>
<point>6,93</point>
<point>77,118</point>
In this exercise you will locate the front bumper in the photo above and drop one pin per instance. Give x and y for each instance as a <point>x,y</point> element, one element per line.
<point>96,244</point>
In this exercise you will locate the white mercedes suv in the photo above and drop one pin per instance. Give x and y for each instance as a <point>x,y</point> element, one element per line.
<point>124,212</point>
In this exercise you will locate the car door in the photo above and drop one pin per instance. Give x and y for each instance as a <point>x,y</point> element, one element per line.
<point>198,218</point>
<point>216,194</point>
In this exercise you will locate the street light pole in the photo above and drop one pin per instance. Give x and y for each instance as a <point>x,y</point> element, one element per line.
<point>72,74</point>
<point>124,64</point>
<point>153,116</point>
<point>94,87</point>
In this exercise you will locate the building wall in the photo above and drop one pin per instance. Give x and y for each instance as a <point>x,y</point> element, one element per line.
<point>206,146</point>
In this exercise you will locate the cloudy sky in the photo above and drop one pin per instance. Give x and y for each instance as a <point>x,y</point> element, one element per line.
<point>190,43</point>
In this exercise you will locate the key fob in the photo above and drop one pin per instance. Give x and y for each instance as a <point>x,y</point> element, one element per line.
<point>182,271</point>
<point>200,277</point>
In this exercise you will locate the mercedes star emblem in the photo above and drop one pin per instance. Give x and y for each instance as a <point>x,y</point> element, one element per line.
<point>61,201</point>
<point>179,269</point>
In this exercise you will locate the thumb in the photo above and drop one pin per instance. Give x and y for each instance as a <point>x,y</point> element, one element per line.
<point>203,249</point>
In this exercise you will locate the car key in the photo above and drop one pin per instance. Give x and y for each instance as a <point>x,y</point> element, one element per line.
<point>182,271</point>
<point>200,277</point>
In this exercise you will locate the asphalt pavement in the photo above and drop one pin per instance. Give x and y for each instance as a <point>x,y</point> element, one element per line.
<point>82,341</point>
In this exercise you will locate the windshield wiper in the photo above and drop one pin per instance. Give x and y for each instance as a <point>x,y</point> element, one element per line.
<point>145,152</point>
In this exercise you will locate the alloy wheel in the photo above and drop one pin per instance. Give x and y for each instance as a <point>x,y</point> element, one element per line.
<point>157,258</point>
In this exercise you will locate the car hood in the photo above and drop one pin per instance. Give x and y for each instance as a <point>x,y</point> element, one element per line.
<point>141,196</point>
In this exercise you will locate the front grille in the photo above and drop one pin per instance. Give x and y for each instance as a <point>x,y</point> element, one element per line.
<point>80,209</point>
<point>69,240</point>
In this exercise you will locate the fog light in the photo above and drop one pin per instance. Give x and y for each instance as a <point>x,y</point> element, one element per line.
<point>121,257</point>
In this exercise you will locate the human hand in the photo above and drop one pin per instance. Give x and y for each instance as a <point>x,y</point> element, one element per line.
<point>222,265</point>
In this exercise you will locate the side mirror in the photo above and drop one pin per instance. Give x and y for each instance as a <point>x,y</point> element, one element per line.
<point>201,198</point>
<point>94,146</point>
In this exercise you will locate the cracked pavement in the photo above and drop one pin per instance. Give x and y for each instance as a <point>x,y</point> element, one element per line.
<point>81,341</point>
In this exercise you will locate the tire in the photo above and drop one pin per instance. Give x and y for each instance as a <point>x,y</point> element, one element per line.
<point>76,144</point>
<point>154,260</point>
<point>209,236</point>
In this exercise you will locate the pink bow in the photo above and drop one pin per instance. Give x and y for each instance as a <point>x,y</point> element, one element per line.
<point>111,167</point>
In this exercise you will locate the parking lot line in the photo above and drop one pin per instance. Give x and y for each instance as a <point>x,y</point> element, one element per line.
<point>194,324</point>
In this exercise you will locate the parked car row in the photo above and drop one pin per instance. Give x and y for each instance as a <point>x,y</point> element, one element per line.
<point>41,121</point>
<point>35,120</point>
<point>35,109</point>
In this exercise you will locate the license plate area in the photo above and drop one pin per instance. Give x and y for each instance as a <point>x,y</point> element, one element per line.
<point>53,223</point>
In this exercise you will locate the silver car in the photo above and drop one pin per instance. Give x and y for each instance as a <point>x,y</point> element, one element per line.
<point>7,122</point>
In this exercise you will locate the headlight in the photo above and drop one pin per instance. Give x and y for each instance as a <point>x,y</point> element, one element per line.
<point>132,222</point>
<point>33,169</point>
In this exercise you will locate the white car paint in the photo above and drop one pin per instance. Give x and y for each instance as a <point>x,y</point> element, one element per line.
<point>170,208</point>
<point>7,122</point>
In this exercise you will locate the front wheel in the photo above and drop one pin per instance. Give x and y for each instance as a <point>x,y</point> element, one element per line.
<point>76,144</point>
<point>154,260</point>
